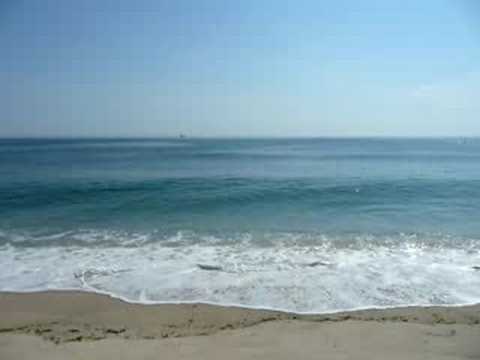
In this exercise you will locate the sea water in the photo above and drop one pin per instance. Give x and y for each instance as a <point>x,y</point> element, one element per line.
<point>306,225</point>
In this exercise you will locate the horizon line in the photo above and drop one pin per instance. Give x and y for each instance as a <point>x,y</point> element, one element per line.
<point>233,137</point>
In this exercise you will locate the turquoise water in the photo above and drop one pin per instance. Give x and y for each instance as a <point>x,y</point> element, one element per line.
<point>392,221</point>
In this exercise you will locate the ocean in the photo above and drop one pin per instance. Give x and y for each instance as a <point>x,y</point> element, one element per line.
<point>304,225</point>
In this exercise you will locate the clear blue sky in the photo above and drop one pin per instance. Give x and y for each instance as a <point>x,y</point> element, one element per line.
<point>239,68</point>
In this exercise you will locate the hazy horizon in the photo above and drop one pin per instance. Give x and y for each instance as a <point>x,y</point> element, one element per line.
<point>219,69</point>
<point>236,137</point>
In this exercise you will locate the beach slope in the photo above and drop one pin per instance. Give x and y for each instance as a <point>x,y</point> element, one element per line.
<point>71,325</point>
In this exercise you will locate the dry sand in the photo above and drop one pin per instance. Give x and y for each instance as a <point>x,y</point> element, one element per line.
<point>76,325</point>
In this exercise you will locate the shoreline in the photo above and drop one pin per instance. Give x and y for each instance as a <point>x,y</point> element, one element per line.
<point>80,324</point>
<point>125,300</point>
<point>52,313</point>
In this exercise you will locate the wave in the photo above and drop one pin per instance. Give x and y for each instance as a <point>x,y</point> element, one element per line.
<point>188,192</point>
<point>286,276</point>
<point>103,238</point>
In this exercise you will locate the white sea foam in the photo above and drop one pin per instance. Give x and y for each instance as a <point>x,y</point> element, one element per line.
<point>294,278</point>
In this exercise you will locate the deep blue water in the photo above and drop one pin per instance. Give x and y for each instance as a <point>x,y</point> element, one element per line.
<point>344,193</point>
<point>375,186</point>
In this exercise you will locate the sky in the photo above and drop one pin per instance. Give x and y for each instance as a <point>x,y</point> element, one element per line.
<point>239,68</point>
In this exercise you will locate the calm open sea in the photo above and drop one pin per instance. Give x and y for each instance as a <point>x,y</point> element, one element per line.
<point>307,225</point>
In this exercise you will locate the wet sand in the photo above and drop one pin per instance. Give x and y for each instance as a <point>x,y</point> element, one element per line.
<point>71,325</point>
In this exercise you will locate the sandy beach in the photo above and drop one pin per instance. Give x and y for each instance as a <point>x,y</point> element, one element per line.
<point>77,325</point>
